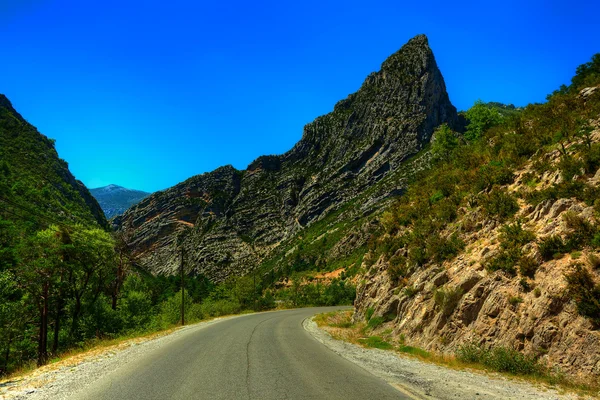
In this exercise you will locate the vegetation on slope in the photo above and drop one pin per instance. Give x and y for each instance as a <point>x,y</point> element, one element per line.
<point>554,150</point>
<point>66,280</point>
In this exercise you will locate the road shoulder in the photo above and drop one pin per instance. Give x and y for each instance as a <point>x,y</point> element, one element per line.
<point>66,377</point>
<point>422,380</point>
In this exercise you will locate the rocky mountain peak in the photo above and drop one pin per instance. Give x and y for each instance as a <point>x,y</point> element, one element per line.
<point>239,217</point>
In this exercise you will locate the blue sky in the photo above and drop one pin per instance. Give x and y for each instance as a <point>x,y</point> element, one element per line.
<point>145,94</point>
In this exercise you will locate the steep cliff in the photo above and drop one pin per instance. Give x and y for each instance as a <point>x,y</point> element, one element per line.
<point>229,220</point>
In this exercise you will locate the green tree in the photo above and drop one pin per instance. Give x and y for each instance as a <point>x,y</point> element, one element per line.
<point>91,269</point>
<point>40,266</point>
<point>481,118</point>
<point>445,141</point>
<point>587,74</point>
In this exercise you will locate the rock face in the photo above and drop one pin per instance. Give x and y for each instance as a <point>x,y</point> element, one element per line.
<point>115,199</point>
<point>494,308</point>
<point>229,220</point>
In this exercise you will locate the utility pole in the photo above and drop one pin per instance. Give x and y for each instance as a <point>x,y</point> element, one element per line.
<point>182,293</point>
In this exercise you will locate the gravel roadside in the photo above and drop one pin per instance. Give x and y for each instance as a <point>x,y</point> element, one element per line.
<point>413,377</point>
<point>62,379</point>
<point>422,380</point>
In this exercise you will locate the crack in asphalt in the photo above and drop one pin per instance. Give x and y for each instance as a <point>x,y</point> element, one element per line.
<point>248,356</point>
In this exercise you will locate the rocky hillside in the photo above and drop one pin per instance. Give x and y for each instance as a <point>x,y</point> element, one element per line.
<point>115,200</point>
<point>230,221</point>
<point>34,182</point>
<point>499,244</point>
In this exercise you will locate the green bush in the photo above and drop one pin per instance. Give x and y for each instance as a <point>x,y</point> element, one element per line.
<point>410,291</point>
<point>440,249</point>
<point>586,293</point>
<point>494,173</point>
<point>369,313</point>
<point>569,167</point>
<point>593,261</point>
<point>499,204</point>
<point>397,268</point>
<point>499,359</point>
<point>582,231</point>
<point>505,261</point>
<point>550,246</point>
<point>414,351</point>
<point>513,235</point>
<point>375,322</point>
<point>528,266</point>
<point>377,342</point>
<point>217,308</point>
<point>515,300</point>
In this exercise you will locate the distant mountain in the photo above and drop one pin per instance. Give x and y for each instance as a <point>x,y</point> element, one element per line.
<point>115,199</point>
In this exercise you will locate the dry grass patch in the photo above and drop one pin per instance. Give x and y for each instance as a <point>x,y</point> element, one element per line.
<point>340,326</point>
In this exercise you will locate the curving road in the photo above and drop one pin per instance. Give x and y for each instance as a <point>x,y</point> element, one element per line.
<point>256,356</point>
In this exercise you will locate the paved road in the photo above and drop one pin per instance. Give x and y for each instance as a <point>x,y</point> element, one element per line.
<point>256,356</point>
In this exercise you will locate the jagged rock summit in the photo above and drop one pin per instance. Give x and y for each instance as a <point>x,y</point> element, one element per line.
<point>229,220</point>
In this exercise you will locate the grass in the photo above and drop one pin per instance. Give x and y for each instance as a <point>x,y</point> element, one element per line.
<point>376,342</point>
<point>504,361</point>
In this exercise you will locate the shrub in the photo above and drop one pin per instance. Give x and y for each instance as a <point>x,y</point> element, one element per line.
<point>494,173</point>
<point>447,299</point>
<point>513,235</point>
<point>569,167</point>
<point>586,292</point>
<point>550,246</point>
<point>377,342</point>
<point>528,266</point>
<point>515,300</point>
<point>440,249</point>
<point>397,268</point>
<point>217,308</point>
<point>593,261</point>
<point>414,351</point>
<point>525,285</point>
<point>596,240</point>
<point>369,313</point>
<point>417,255</point>
<point>582,231</point>
<point>375,322</point>
<point>410,291</point>
<point>504,261</point>
<point>499,359</point>
<point>445,142</point>
<point>499,204</point>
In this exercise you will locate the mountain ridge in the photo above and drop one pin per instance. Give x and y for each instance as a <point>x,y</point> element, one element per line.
<point>229,220</point>
<point>115,199</point>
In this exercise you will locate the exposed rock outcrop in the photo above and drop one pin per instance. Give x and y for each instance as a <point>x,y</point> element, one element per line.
<point>535,315</point>
<point>229,220</point>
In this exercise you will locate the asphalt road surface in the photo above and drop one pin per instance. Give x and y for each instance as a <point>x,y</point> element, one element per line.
<point>256,356</point>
